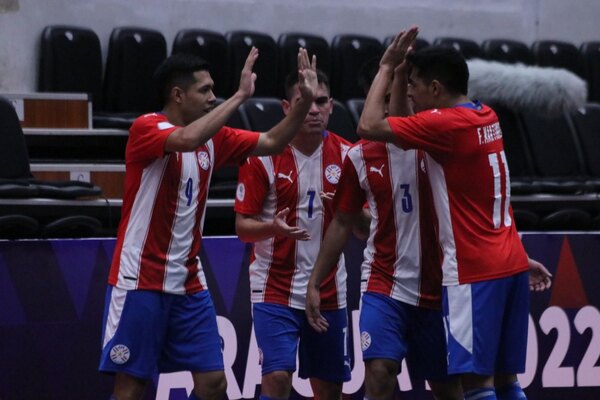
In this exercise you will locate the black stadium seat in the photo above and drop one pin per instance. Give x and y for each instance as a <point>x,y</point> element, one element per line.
<point>556,54</point>
<point>506,51</point>
<point>587,126</point>
<point>133,56</point>
<point>263,113</point>
<point>556,155</point>
<point>17,226</point>
<point>240,43</point>
<point>288,54</point>
<point>590,52</point>
<point>341,122</point>
<point>517,153</point>
<point>210,46</point>
<point>16,179</point>
<point>355,107</point>
<point>469,48</point>
<point>349,54</point>
<point>71,61</point>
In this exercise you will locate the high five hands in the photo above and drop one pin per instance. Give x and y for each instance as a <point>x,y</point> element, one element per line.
<point>307,75</point>
<point>397,50</point>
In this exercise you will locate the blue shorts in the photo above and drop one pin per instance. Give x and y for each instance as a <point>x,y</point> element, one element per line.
<point>393,330</point>
<point>324,356</point>
<point>146,332</point>
<point>487,325</point>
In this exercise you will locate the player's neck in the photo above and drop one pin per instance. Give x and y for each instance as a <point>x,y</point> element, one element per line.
<point>305,143</point>
<point>173,116</point>
<point>456,100</point>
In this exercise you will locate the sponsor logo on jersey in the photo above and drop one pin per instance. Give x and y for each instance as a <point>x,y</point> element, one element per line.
<point>119,354</point>
<point>365,340</point>
<point>204,160</point>
<point>377,170</point>
<point>281,175</point>
<point>436,111</point>
<point>240,193</point>
<point>333,173</point>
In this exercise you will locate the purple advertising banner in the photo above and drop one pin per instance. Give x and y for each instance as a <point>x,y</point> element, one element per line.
<point>52,299</point>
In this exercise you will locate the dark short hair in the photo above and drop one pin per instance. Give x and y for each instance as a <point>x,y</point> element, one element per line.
<point>444,64</point>
<point>177,70</point>
<point>292,78</point>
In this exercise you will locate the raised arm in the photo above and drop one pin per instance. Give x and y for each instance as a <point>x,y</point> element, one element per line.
<point>190,137</point>
<point>333,243</point>
<point>373,124</point>
<point>399,104</point>
<point>274,140</point>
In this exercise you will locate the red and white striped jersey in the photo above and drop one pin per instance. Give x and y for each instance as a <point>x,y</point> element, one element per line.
<point>471,187</point>
<point>281,266</point>
<point>402,258</point>
<point>159,236</point>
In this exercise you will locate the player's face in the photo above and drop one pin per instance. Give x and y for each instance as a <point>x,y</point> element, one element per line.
<point>420,93</point>
<point>318,116</point>
<point>198,99</point>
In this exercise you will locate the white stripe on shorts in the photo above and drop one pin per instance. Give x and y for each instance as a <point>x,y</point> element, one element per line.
<point>460,315</point>
<point>115,310</point>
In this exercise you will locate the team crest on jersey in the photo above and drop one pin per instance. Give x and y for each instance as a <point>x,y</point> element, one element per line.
<point>332,173</point>
<point>365,340</point>
<point>119,354</point>
<point>240,193</point>
<point>204,160</point>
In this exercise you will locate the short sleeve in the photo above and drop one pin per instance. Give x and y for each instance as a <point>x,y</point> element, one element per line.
<point>147,137</point>
<point>253,186</point>
<point>232,146</point>
<point>428,130</point>
<point>349,196</point>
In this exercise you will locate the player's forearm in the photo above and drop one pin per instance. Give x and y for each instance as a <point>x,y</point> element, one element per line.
<point>275,139</point>
<point>250,229</point>
<point>333,243</point>
<point>197,133</point>
<point>399,104</point>
<point>361,228</point>
<point>372,123</point>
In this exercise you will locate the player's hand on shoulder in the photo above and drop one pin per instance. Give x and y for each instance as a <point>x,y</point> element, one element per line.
<point>307,75</point>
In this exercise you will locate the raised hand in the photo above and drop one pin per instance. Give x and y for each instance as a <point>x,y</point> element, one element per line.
<point>247,77</point>
<point>539,276</point>
<point>396,52</point>
<point>283,229</point>
<point>307,75</point>
<point>313,310</point>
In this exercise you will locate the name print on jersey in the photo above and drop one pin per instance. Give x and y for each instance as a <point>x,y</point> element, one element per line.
<point>489,133</point>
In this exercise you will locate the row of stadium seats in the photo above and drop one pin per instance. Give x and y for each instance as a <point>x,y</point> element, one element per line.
<point>556,155</point>
<point>71,61</point>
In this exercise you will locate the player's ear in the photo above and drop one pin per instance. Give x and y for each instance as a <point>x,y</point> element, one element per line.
<point>436,87</point>
<point>286,106</point>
